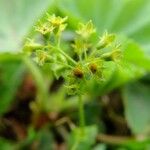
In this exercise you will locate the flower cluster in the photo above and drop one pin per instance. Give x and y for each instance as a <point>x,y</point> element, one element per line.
<point>84,60</point>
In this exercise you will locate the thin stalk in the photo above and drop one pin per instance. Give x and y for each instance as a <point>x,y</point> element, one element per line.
<point>67,65</point>
<point>85,51</point>
<point>67,56</point>
<point>81,115</point>
<point>93,52</point>
<point>119,140</point>
<point>80,58</point>
<point>58,42</point>
<point>63,53</point>
<point>85,54</point>
<point>39,80</point>
<point>36,74</point>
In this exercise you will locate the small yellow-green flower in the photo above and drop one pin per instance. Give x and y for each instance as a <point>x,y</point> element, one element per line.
<point>114,55</point>
<point>41,57</point>
<point>61,29</point>
<point>30,45</point>
<point>79,46</point>
<point>86,30</point>
<point>45,28</point>
<point>106,40</point>
<point>56,21</point>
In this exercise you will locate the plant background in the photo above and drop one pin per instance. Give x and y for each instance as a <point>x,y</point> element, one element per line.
<point>124,97</point>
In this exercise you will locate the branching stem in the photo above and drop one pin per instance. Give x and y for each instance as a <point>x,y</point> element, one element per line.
<point>63,53</point>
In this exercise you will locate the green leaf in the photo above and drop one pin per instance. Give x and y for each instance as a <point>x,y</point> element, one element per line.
<point>12,69</point>
<point>84,142</point>
<point>17,18</point>
<point>127,17</point>
<point>45,140</point>
<point>6,144</point>
<point>132,66</point>
<point>100,147</point>
<point>137,102</point>
<point>134,54</point>
<point>11,73</point>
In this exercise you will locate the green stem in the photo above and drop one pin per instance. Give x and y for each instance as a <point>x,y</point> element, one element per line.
<point>39,80</point>
<point>93,52</point>
<point>80,58</point>
<point>67,56</point>
<point>81,114</point>
<point>63,53</point>
<point>85,54</point>
<point>58,42</point>
<point>66,65</point>
<point>75,145</point>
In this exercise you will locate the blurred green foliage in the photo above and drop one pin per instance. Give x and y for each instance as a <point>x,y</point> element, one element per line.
<point>129,19</point>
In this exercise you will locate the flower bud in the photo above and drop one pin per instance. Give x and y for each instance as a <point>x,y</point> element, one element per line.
<point>45,28</point>
<point>31,46</point>
<point>78,73</point>
<point>56,21</point>
<point>93,68</point>
<point>112,56</point>
<point>106,40</point>
<point>86,30</point>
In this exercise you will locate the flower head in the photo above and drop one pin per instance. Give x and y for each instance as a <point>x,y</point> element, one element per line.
<point>30,45</point>
<point>56,21</point>
<point>41,57</point>
<point>86,30</point>
<point>44,28</point>
<point>106,40</point>
<point>79,46</point>
<point>114,55</point>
